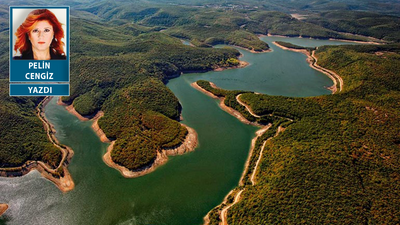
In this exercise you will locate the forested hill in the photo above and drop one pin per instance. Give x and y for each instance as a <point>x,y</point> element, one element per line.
<point>22,135</point>
<point>289,6</point>
<point>363,23</point>
<point>338,162</point>
<point>124,77</point>
<point>236,23</point>
<point>123,52</point>
<point>119,69</point>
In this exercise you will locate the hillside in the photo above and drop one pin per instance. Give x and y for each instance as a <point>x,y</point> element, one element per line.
<point>121,71</point>
<point>123,77</point>
<point>338,161</point>
<point>362,23</point>
<point>22,135</point>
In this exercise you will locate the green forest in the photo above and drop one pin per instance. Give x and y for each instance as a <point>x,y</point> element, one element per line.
<point>363,23</point>
<point>293,46</point>
<point>338,161</point>
<point>120,70</point>
<point>126,83</point>
<point>22,132</point>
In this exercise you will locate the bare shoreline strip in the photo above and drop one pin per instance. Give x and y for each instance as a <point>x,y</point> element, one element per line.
<point>224,211</point>
<point>70,108</point>
<point>224,107</point>
<point>236,46</point>
<point>189,144</point>
<point>99,132</point>
<point>254,173</point>
<point>330,73</point>
<point>239,116</point>
<point>312,62</point>
<point>331,39</point>
<point>260,132</point>
<point>242,64</point>
<point>64,183</point>
<point>251,50</point>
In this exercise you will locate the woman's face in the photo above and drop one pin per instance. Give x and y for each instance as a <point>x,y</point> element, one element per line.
<point>41,36</point>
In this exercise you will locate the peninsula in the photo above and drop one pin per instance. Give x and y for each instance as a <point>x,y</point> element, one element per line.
<point>322,120</point>
<point>319,160</point>
<point>55,171</point>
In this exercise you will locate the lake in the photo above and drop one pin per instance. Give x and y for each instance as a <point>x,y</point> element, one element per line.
<point>184,189</point>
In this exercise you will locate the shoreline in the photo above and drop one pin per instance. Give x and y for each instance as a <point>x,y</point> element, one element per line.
<point>253,174</point>
<point>96,128</point>
<point>242,64</point>
<point>224,211</point>
<point>3,208</point>
<point>222,105</point>
<point>251,50</point>
<point>64,183</point>
<point>188,145</point>
<point>332,39</point>
<point>222,208</point>
<point>330,74</point>
<point>259,133</point>
<point>358,42</point>
<point>312,62</point>
<point>70,108</point>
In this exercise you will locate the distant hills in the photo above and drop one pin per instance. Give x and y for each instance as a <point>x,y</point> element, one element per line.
<point>123,52</point>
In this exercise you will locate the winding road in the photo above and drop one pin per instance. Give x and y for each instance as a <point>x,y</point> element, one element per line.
<point>224,211</point>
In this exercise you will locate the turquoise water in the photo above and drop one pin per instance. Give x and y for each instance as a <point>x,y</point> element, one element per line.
<point>188,186</point>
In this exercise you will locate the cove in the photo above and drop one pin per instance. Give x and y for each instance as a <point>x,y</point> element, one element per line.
<point>188,186</point>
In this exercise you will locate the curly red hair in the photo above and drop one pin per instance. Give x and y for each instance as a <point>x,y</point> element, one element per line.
<point>23,43</point>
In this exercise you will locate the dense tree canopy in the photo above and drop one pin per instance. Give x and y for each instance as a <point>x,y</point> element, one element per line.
<point>338,161</point>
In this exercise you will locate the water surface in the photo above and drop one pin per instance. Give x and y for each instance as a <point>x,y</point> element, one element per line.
<point>188,186</point>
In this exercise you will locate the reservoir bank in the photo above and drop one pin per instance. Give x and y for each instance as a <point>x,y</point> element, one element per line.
<point>184,189</point>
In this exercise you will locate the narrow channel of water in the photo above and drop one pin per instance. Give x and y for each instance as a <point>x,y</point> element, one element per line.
<point>188,186</point>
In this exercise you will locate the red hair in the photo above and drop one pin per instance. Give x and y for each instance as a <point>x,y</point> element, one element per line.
<point>24,44</point>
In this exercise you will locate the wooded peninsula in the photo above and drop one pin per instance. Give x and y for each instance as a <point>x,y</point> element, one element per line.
<point>326,159</point>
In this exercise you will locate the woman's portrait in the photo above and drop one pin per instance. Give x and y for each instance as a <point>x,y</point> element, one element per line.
<point>40,37</point>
